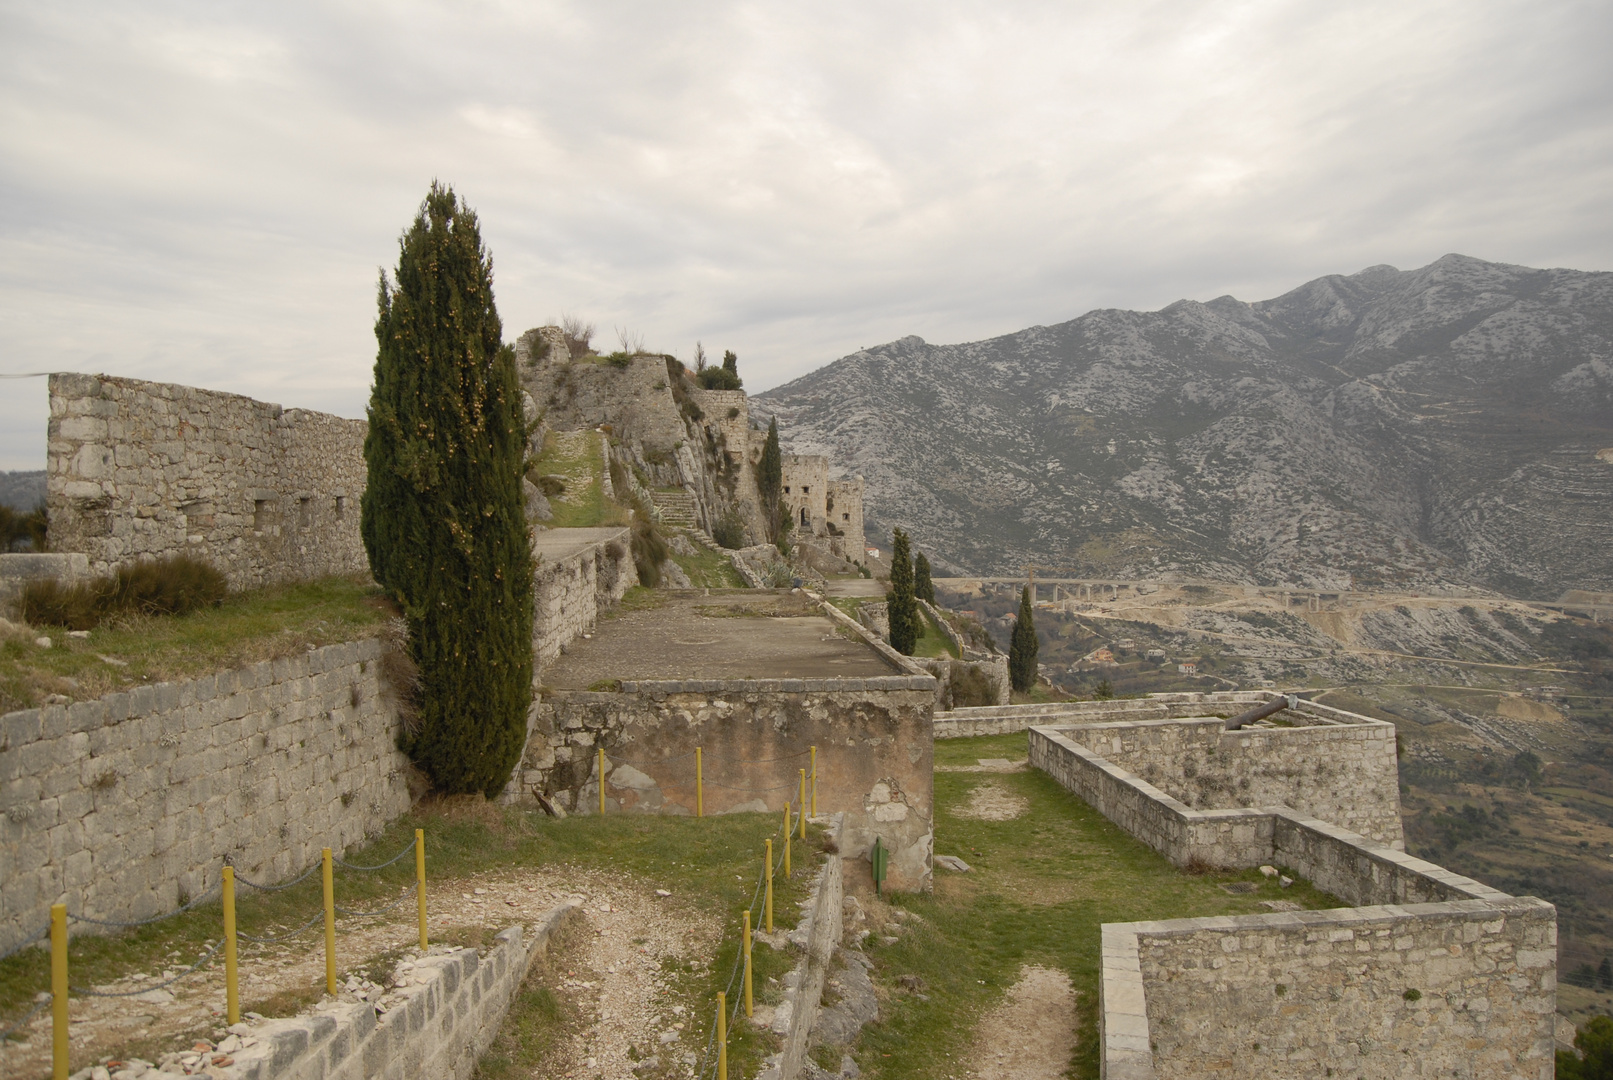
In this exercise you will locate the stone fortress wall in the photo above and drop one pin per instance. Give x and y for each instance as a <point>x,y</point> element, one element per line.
<point>263,493</point>
<point>669,433</point>
<point>1428,973</point>
<point>119,806</point>
<point>875,754</point>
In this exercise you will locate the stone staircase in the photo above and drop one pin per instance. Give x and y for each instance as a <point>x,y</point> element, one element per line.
<point>674,508</point>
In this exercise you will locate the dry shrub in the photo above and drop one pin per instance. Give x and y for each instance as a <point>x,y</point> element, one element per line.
<point>649,550</point>
<point>172,585</point>
<point>969,686</point>
<point>400,676</point>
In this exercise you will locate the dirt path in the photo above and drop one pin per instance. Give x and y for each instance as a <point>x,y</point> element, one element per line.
<point>616,975</point>
<point>992,802</point>
<point>1031,1035</point>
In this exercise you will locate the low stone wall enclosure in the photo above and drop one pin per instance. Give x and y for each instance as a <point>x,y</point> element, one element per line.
<point>1431,973</point>
<point>875,754</point>
<point>579,573</point>
<point>119,806</point>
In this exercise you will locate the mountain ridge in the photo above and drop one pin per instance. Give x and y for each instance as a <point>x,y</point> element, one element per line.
<point>1430,429</point>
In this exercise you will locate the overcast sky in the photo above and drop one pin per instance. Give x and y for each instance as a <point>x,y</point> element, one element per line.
<point>204,192</point>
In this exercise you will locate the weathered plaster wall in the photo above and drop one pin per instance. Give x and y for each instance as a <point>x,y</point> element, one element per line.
<point>875,754</point>
<point>1345,773</point>
<point>1453,989</point>
<point>139,468</point>
<point>115,806</point>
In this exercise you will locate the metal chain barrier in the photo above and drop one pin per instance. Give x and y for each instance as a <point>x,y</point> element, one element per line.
<point>379,911</point>
<point>57,931</point>
<point>205,957</point>
<point>379,866</point>
<point>208,895</point>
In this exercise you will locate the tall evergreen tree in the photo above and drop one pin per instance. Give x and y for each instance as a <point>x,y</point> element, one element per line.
<point>900,603</point>
<point>923,587</point>
<point>1023,647</point>
<point>730,362</point>
<point>770,479</point>
<point>442,515</point>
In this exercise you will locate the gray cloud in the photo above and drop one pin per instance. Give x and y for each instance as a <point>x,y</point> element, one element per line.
<point>203,193</point>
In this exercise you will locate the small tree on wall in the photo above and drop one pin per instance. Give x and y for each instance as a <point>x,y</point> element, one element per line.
<point>770,479</point>
<point>442,515</point>
<point>903,608</point>
<point>923,587</point>
<point>1023,647</point>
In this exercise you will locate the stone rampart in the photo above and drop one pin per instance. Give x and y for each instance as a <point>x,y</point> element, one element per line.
<point>449,1013</point>
<point>1342,773</point>
<point>573,582</point>
<point>1464,988</point>
<point>875,754</point>
<point>1439,972</point>
<point>263,493</point>
<point>119,806</point>
<point>1006,719</point>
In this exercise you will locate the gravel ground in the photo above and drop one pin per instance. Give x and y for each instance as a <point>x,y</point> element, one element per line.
<point>1031,1034</point>
<point>617,976</point>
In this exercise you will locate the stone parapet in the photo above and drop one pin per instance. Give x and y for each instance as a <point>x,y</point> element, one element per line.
<point>119,806</point>
<point>875,754</point>
<point>1463,988</point>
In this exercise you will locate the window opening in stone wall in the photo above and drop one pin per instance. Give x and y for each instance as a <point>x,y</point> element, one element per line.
<point>341,505</point>
<point>260,514</point>
<point>845,517</point>
<point>786,489</point>
<point>804,519</point>
<point>805,489</point>
<point>305,512</point>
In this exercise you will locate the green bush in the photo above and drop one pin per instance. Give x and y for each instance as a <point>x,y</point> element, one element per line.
<point>173,585</point>
<point>16,529</point>
<point>729,532</point>
<point>716,378</point>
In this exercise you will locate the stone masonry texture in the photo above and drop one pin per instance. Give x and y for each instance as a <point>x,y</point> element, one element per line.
<point>119,806</point>
<point>263,493</point>
<point>875,754</point>
<point>1456,989</point>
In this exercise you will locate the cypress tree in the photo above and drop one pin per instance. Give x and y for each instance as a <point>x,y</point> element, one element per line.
<point>923,587</point>
<point>770,479</point>
<point>903,608</point>
<point>442,515</point>
<point>1023,647</point>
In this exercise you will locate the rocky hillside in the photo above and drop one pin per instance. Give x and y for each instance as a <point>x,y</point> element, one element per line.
<point>1424,429</point>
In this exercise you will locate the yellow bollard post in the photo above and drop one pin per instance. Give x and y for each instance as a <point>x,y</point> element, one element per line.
<point>786,839</point>
<point>769,886</point>
<point>814,781</point>
<point>747,965</point>
<point>420,881</point>
<point>232,986</point>
<point>601,781</point>
<point>803,804</point>
<point>722,1035</point>
<point>330,925</point>
<point>699,786</point>
<point>58,991</point>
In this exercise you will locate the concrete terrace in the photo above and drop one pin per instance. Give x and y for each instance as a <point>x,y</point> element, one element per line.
<point>737,634</point>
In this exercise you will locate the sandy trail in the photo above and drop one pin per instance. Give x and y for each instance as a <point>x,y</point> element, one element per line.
<point>1031,1034</point>
<point>616,974</point>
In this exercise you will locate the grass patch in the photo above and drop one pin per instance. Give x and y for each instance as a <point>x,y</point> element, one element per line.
<point>710,863</point>
<point>932,643</point>
<point>707,569</point>
<point>577,458</point>
<point>260,624</point>
<point>1042,885</point>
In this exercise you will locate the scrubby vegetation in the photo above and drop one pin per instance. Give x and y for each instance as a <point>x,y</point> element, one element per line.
<point>172,585</point>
